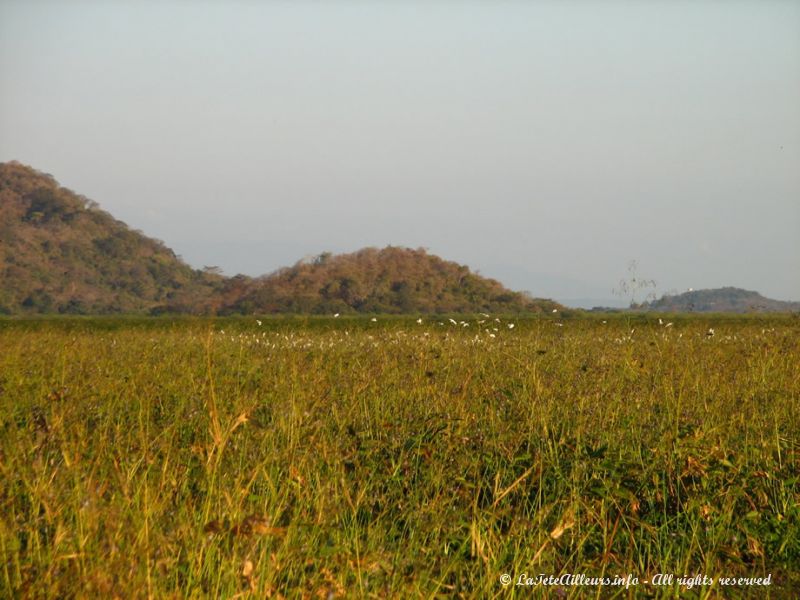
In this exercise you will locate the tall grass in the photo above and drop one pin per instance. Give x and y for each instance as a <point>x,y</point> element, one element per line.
<point>333,458</point>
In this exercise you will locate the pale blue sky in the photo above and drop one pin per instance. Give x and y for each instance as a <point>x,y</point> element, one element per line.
<point>545,144</point>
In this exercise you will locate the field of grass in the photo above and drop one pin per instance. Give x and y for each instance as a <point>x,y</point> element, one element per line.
<point>350,458</point>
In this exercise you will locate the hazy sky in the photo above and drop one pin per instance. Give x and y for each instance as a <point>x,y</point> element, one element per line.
<point>545,144</point>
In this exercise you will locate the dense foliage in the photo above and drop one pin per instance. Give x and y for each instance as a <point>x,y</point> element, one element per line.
<point>61,254</point>
<point>391,280</point>
<point>339,458</point>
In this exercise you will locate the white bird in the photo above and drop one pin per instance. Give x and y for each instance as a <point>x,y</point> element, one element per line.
<point>374,320</point>
<point>511,326</point>
<point>660,322</point>
<point>555,310</point>
<point>419,321</point>
<point>259,322</point>
<point>336,316</point>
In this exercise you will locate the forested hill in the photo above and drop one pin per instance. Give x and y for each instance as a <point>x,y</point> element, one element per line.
<point>389,280</point>
<point>727,299</point>
<point>60,253</point>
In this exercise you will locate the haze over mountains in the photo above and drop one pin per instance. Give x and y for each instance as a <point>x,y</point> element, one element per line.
<point>727,299</point>
<point>61,253</point>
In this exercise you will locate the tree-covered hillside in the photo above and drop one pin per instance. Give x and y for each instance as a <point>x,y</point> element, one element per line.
<point>726,299</point>
<point>61,254</point>
<point>388,280</point>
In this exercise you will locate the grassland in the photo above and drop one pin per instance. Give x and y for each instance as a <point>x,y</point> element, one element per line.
<point>351,458</point>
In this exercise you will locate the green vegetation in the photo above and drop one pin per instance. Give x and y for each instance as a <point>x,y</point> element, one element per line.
<point>310,457</point>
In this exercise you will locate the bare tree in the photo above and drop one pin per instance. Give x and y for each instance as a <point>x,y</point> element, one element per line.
<point>633,285</point>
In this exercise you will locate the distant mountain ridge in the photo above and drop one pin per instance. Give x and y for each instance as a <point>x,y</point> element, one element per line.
<point>59,253</point>
<point>726,299</point>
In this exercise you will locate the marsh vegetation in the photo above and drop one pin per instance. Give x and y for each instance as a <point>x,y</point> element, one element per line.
<point>391,458</point>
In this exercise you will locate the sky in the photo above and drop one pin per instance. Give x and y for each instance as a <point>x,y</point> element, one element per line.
<point>544,144</point>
